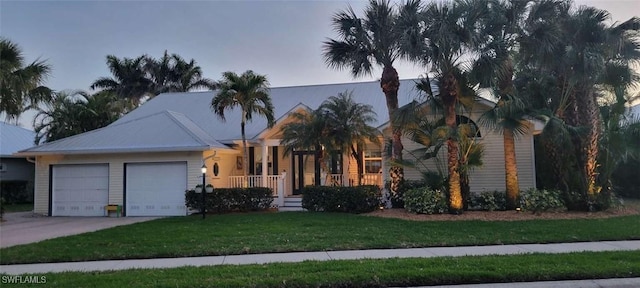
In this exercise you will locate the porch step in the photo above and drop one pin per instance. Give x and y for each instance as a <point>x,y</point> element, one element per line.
<point>291,204</point>
<point>290,209</point>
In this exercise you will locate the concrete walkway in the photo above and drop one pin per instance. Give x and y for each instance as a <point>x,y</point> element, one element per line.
<point>321,256</point>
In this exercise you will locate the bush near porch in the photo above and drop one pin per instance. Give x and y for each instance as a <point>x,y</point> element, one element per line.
<point>224,200</point>
<point>356,199</point>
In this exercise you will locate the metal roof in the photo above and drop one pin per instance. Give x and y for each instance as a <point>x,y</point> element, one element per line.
<point>185,121</point>
<point>161,131</point>
<point>14,138</point>
<point>197,106</point>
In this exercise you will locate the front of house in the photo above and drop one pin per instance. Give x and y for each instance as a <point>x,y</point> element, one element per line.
<point>148,158</point>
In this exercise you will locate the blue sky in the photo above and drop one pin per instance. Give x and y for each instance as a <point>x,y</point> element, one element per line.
<point>282,39</point>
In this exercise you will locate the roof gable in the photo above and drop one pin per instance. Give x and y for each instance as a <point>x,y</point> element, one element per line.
<point>161,131</point>
<point>196,106</point>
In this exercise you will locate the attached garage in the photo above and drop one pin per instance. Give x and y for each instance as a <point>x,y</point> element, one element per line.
<point>155,189</point>
<point>79,190</point>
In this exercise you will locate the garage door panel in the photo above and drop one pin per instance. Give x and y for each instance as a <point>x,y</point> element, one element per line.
<point>156,189</point>
<point>80,190</point>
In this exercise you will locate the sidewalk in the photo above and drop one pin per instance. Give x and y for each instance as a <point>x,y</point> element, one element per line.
<point>323,256</point>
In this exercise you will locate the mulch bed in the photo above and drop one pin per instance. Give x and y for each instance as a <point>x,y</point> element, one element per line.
<point>503,215</point>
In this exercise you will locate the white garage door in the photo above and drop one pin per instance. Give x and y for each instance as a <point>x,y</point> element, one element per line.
<point>79,190</point>
<point>156,189</point>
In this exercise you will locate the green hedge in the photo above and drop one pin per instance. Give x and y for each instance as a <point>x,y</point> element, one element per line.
<point>425,200</point>
<point>489,201</point>
<point>223,200</point>
<point>357,199</point>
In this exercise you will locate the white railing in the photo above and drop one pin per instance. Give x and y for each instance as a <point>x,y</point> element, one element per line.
<point>367,179</point>
<point>255,181</point>
<point>333,180</point>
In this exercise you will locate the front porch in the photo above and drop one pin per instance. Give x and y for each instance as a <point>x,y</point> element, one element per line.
<point>289,199</point>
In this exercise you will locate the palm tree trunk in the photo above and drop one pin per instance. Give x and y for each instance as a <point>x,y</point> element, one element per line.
<point>390,84</point>
<point>590,143</point>
<point>449,99</point>
<point>245,165</point>
<point>511,169</point>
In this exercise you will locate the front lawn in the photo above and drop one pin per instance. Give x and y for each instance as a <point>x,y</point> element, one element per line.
<point>301,231</point>
<point>370,273</point>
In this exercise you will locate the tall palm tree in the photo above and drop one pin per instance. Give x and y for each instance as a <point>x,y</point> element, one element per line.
<point>188,76</point>
<point>129,79</point>
<point>349,126</point>
<point>171,73</point>
<point>445,34</point>
<point>374,39</point>
<point>20,86</point>
<point>75,112</point>
<point>249,92</point>
<point>510,25</point>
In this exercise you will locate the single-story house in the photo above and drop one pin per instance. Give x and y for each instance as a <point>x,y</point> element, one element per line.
<point>146,160</point>
<point>16,172</point>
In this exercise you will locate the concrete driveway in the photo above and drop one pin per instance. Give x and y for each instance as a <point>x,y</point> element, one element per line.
<point>25,227</point>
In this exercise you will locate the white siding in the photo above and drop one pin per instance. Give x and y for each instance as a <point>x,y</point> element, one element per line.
<point>488,177</point>
<point>116,171</point>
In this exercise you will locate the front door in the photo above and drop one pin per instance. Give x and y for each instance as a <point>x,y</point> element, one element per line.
<point>305,170</point>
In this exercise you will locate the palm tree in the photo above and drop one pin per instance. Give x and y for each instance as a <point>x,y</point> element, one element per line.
<point>75,112</point>
<point>308,131</point>
<point>250,92</point>
<point>129,79</point>
<point>20,86</point>
<point>445,34</point>
<point>349,128</point>
<point>510,26</point>
<point>375,39</point>
<point>188,76</point>
<point>171,73</point>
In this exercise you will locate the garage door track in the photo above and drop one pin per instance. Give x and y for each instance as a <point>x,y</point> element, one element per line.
<point>25,227</point>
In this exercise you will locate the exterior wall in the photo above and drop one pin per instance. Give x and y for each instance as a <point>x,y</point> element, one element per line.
<point>491,175</point>
<point>17,169</point>
<point>116,171</point>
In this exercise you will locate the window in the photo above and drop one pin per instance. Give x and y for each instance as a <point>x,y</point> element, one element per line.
<point>3,167</point>
<point>372,162</point>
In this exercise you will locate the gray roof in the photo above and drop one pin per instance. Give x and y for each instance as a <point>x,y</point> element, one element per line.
<point>197,106</point>
<point>14,139</point>
<point>160,131</point>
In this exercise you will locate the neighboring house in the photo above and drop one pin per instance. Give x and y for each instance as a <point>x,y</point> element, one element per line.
<point>146,160</point>
<point>16,172</point>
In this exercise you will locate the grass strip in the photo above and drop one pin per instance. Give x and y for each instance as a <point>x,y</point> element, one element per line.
<point>289,232</point>
<point>370,273</point>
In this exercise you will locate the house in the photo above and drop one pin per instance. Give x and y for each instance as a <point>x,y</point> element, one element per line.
<point>16,172</point>
<point>146,160</point>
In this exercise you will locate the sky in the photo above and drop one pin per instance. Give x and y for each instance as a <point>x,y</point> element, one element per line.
<point>281,39</point>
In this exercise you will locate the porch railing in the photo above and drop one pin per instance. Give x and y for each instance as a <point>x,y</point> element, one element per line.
<point>367,179</point>
<point>255,181</point>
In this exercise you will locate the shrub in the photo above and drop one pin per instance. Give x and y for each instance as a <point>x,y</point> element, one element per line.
<point>489,201</point>
<point>397,200</point>
<point>425,200</point>
<point>357,199</point>
<point>541,200</point>
<point>16,192</point>
<point>576,201</point>
<point>223,200</point>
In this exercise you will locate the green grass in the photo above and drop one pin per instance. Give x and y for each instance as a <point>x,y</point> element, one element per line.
<point>300,231</point>
<point>370,273</point>
<point>9,208</point>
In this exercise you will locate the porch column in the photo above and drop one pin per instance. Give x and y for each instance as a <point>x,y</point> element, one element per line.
<point>265,163</point>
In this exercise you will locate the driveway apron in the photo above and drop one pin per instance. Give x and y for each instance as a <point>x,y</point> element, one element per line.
<point>25,227</point>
